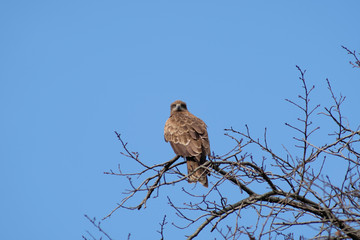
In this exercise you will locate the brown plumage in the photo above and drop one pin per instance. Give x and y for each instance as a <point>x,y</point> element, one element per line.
<point>188,138</point>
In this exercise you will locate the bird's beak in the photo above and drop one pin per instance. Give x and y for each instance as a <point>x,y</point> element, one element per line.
<point>178,107</point>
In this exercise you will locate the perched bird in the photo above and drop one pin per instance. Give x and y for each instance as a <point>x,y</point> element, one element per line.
<point>188,138</point>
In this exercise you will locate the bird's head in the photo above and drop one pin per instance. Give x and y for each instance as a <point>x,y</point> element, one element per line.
<point>178,106</point>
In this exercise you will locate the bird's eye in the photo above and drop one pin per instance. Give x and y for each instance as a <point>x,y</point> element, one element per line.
<point>183,105</point>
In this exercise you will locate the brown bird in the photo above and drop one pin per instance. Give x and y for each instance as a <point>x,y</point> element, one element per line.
<point>188,138</point>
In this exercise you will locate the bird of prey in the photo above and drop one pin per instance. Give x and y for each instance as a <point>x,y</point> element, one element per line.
<point>188,138</point>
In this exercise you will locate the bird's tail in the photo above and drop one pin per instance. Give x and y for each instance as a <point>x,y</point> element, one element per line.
<point>200,175</point>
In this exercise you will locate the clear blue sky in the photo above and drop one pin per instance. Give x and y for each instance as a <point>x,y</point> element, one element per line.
<point>72,72</point>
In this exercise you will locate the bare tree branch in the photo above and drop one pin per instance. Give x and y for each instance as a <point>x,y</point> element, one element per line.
<point>281,190</point>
